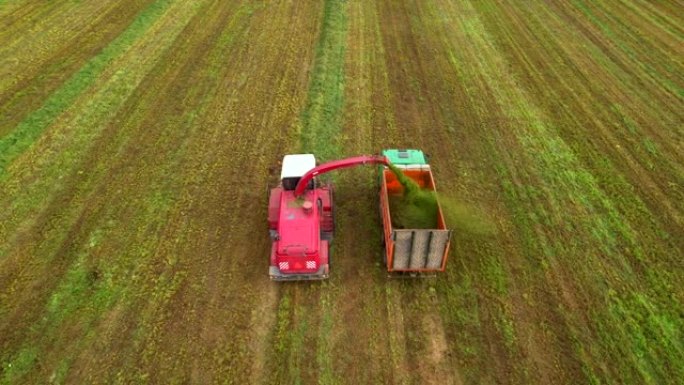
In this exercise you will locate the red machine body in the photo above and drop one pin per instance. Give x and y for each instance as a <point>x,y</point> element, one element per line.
<point>301,223</point>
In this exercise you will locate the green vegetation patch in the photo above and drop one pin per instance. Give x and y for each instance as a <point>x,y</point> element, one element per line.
<point>321,119</point>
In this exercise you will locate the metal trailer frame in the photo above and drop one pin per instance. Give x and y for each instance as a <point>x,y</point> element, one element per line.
<point>412,250</point>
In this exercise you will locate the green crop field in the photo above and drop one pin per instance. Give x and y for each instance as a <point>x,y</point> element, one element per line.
<point>138,138</point>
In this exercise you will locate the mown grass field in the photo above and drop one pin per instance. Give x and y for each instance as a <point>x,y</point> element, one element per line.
<point>138,137</point>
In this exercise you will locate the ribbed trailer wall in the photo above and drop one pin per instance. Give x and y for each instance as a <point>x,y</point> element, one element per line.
<point>419,249</point>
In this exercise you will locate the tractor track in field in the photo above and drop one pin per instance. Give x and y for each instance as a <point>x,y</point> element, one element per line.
<point>192,57</point>
<point>237,279</point>
<point>44,235</point>
<point>37,80</point>
<point>377,47</point>
<point>200,308</point>
<point>419,98</point>
<point>138,139</point>
<point>243,115</point>
<point>635,162</point>
<point>24,17</point>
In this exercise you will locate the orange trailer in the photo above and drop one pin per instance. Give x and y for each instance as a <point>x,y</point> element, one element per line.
<point>412,250</point>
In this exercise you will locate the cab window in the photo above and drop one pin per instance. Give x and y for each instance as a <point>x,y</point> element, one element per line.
<point>291,183</point>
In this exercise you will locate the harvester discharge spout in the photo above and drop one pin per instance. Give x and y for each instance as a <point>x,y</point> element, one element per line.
<point>337,164</point>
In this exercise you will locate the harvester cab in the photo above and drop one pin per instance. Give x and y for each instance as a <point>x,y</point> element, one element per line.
<point>294,168</point>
